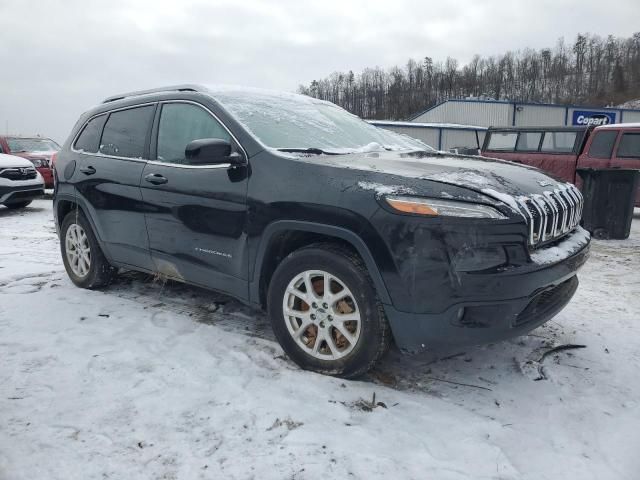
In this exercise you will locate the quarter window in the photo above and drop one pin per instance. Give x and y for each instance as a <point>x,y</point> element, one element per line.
<point>602,144</point>
<point>629,145</point>
<point>125,132</point>
<point>180,124</point>
<point>502,141</point>
<point>89,139</point>
<point>528,141</point>
<point>558,142</point>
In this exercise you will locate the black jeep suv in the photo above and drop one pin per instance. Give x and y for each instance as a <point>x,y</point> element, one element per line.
<point>347,234</point>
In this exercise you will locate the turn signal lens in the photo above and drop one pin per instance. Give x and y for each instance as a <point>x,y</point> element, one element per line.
<point>442,208</point>
<point>408,206</point>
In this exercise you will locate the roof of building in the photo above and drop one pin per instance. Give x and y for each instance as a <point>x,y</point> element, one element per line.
<point>509,102</point>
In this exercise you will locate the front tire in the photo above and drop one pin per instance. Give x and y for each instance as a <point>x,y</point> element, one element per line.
<point>83,259</point>
<point>325,313</point>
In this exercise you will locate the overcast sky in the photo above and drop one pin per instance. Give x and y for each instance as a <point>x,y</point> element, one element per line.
<point>58,58</point>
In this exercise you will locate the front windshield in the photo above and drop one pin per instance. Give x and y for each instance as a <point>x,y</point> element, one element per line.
<point>32,145</point>
<point>290,121</point>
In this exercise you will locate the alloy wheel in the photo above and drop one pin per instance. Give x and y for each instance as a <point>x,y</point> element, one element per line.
<point>78,250</point>
<point>322,315</point>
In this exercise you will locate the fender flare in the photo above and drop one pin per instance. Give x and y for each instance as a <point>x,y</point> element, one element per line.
<point>330,230</point>
<point>80,203</point>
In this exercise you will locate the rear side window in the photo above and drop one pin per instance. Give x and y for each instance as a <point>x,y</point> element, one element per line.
<point>125,132</point>
<point>602,144</point>
<point>558,142</point>
<point>180,124</point>
<point>528,141</point>
<point>502,141</point>
<point>629,145</point>
<point>89,139</point>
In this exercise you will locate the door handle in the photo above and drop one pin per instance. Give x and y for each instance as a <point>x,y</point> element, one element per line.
<point>156,179</point>
<point>88,170</point>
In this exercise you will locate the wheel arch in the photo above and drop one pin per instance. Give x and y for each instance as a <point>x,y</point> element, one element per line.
<point>64,204</point>
<point>283,237</point>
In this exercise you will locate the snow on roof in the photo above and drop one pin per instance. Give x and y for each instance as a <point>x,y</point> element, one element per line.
<point>631,104</point>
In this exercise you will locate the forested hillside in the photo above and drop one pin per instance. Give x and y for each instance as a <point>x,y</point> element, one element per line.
<point>592,70</point>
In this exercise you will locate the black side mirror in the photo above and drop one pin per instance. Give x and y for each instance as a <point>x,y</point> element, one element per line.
<point>210,151</point>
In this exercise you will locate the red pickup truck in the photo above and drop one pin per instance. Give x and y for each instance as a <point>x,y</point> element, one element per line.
<point>37,150</point>
<point>561,150</point>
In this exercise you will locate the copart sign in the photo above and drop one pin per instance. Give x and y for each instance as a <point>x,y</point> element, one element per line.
<point>592,117</point>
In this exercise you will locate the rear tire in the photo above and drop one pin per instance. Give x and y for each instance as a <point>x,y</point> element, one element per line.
<point>83,259</point>
<point>341,328</point>
<point>17,205</point>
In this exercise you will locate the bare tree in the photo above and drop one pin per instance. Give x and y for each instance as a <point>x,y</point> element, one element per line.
<point>592,71</point>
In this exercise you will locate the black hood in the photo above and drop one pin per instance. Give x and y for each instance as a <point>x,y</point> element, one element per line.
<point>492,177</point>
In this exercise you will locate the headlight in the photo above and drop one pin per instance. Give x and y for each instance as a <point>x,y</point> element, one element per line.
<point>37,163</point>
<point>444,208</point>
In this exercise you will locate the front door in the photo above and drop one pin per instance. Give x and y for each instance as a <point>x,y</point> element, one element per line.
<point>196,214</point>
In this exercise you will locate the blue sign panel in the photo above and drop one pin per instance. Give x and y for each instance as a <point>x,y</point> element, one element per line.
<point>593,117</point>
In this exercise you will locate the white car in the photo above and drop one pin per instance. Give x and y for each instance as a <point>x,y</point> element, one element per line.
<point>20,182</point>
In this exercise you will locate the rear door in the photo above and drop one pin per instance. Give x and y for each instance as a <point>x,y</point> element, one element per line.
<point>559,153</point>
<point>627,153</point>
<point>108,180</point>
<point>197,214</point>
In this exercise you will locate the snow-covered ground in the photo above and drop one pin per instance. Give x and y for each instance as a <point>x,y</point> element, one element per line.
<point>151,380</point>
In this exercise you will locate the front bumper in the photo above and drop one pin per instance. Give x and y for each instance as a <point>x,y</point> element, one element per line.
<point>20,193</point>
<point>513,303</point>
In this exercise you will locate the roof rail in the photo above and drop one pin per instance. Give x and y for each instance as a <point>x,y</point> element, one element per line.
<point>172,88</point>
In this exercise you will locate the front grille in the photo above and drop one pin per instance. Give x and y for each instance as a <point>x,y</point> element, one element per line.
<point>548,302</point>
<point>23,173</point>
<point>552,214</point>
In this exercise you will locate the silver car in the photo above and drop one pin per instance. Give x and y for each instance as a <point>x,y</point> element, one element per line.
<point>20,182</point>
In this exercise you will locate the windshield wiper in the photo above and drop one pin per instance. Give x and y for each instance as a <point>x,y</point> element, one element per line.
<point>309,150</point>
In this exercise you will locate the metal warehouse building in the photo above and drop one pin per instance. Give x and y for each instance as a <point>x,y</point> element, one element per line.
<point>461,124</point>
<point>496,113</point>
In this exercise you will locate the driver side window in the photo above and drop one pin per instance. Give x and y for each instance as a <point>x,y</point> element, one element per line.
<point>180,124</point>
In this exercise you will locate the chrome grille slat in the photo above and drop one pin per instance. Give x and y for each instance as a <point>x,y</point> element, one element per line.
<point>562,221</point>
<point>540,206</point>
<point>576,213</point>
<point>552,214</point>
<point>574,200</point>
<point>555,213</point>
<point>525,208</point>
